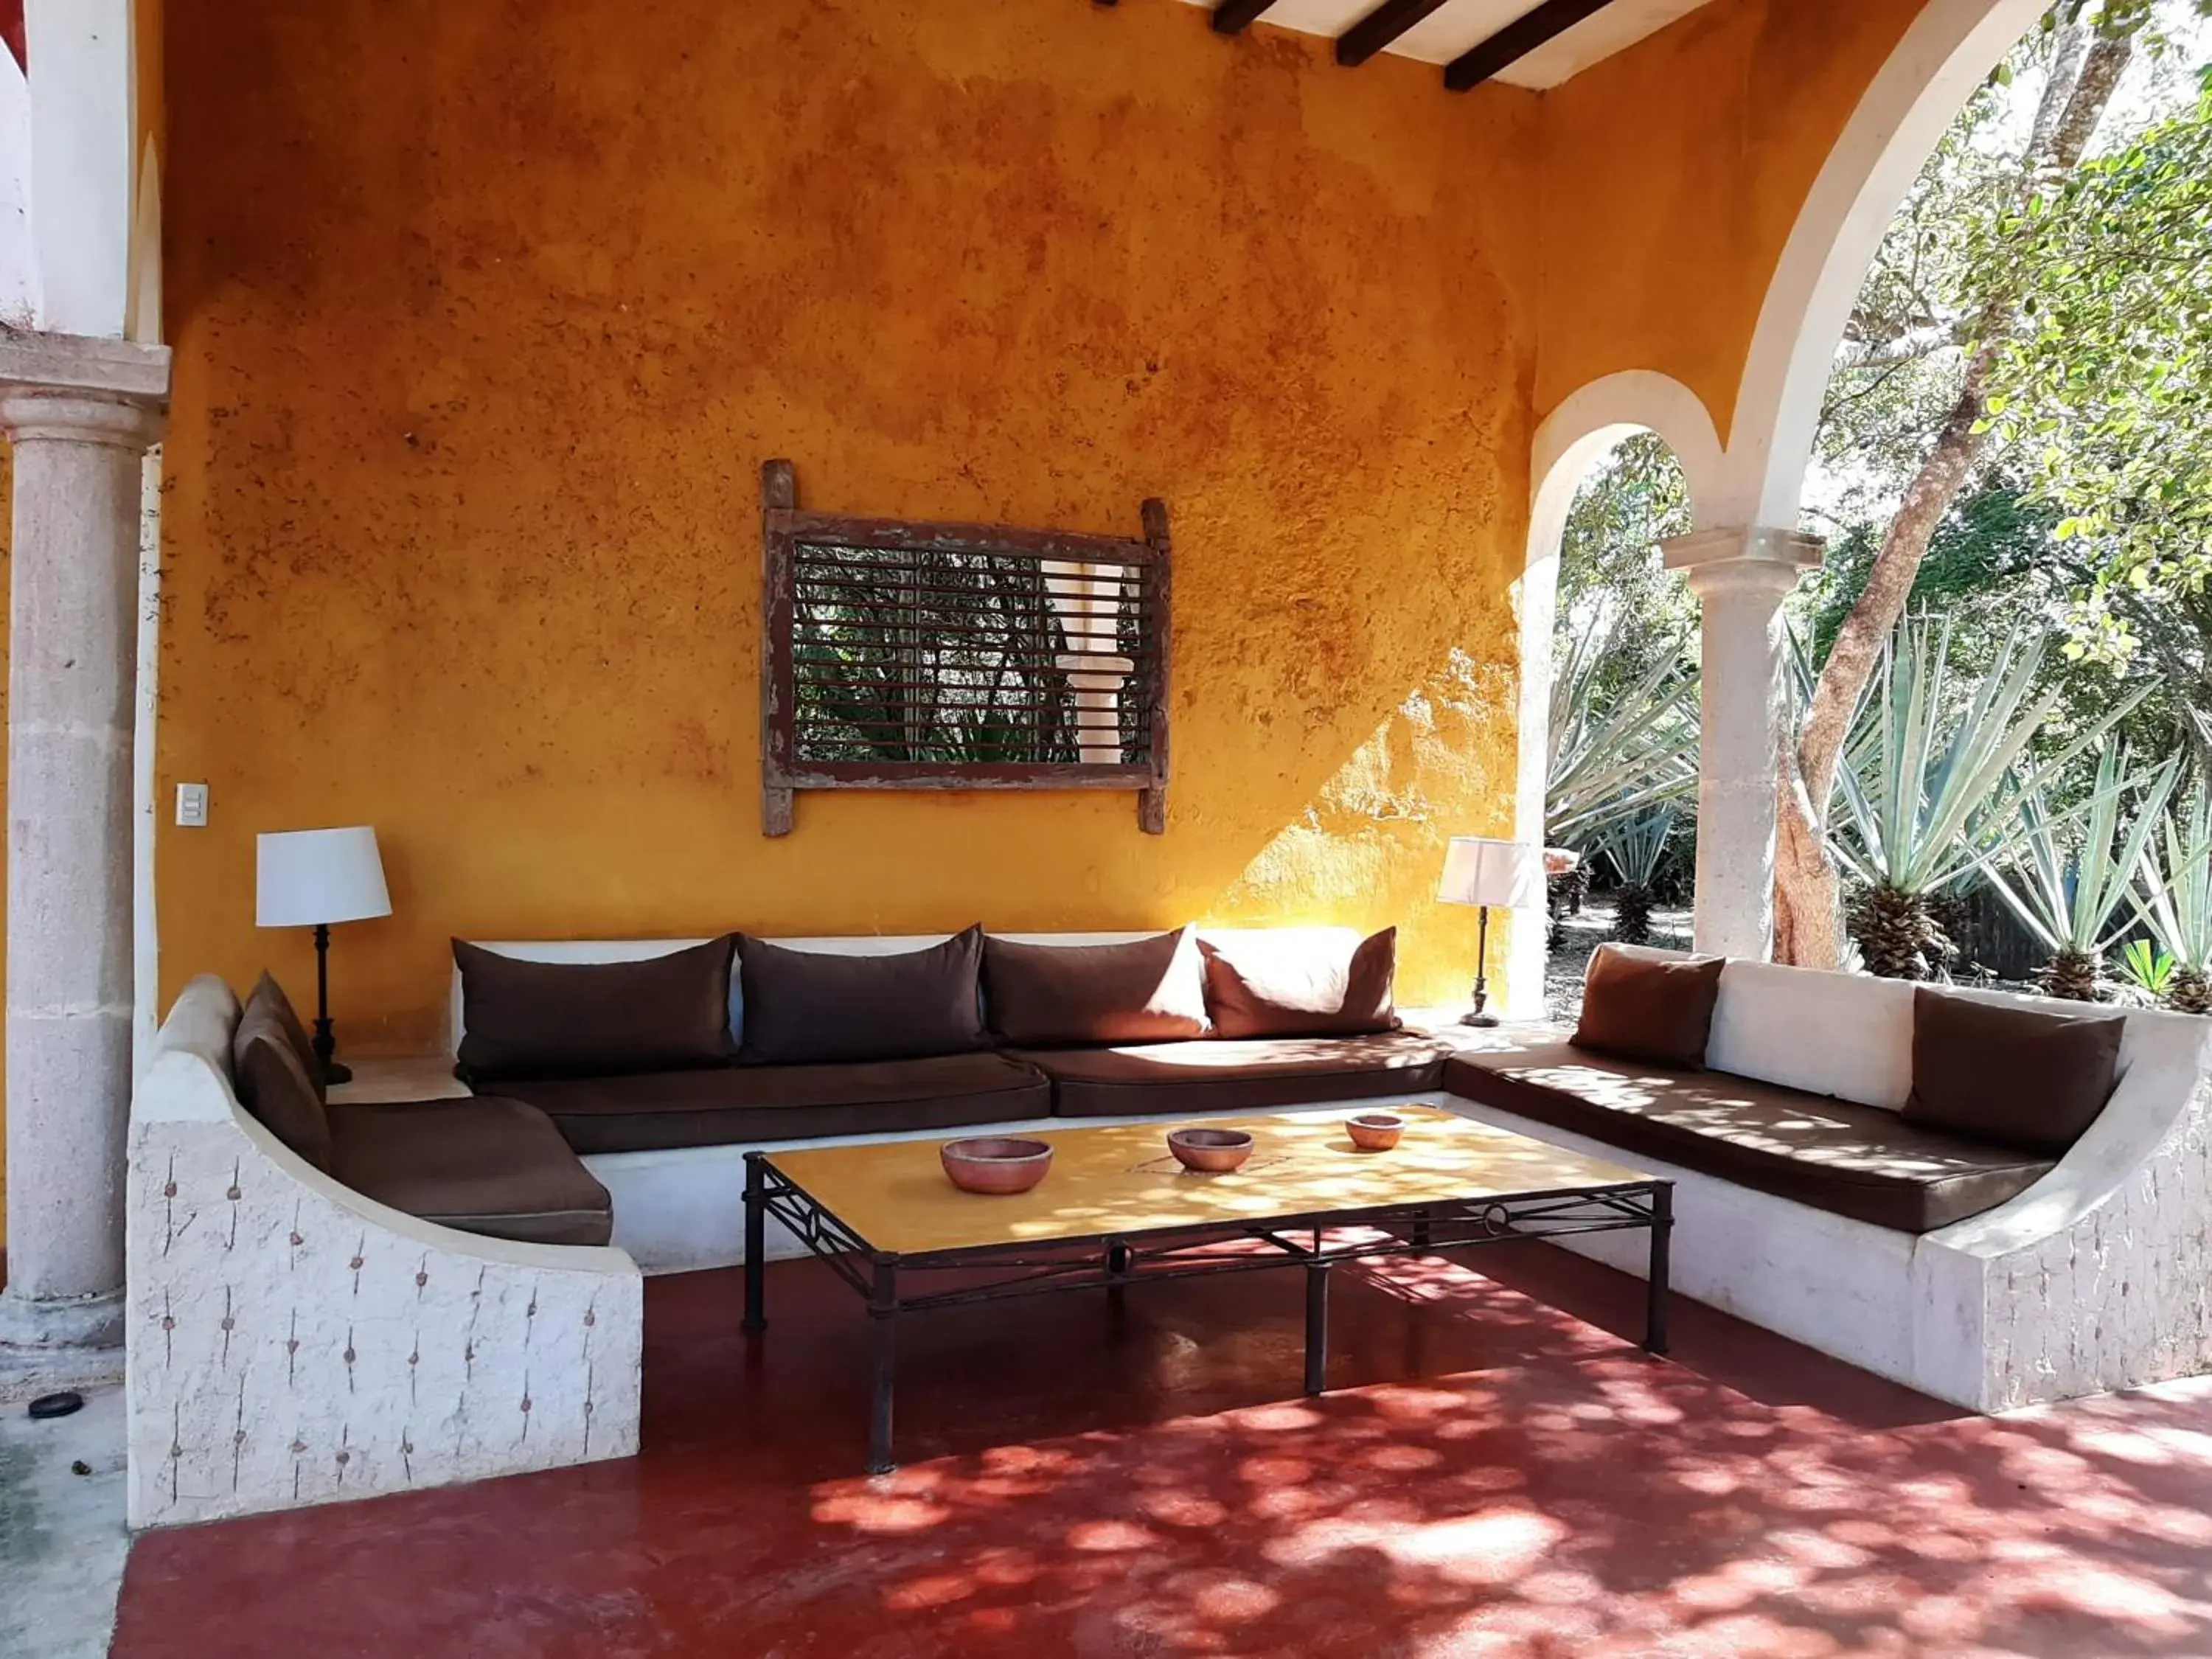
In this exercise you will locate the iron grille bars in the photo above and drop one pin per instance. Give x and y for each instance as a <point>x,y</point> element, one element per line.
<point>908,655</point>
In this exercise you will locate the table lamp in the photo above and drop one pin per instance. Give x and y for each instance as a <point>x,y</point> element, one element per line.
<point>312,878</point>
<point>1508,874</point>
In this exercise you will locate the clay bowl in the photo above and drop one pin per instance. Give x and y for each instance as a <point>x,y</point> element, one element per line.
<point>1211,1152</point>
<point>1374,1132</point>
<point>996,1165</point>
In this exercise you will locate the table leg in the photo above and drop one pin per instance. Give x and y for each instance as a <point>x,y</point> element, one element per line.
<point>1117,1267</point>
<point>1316,1327</point>
<point>756,1243</point>
<point>1421,1231</point>
<point>883,1318</point>
<point>1662,1226</point>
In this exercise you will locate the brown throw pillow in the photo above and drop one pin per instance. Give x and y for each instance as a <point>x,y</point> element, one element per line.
<point>809,1007</point>
<point>2015,1077</point>
<point>1149,990</point>
<point>269,997</point>
<point>546,1019</point>
<point>276,1088</point>
<point>1300,984</point>
<point>1642,1008</point>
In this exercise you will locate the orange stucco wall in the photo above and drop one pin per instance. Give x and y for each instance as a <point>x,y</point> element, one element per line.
<point>482,327</point>
<point>484,321</point>
<point>1673,175</point>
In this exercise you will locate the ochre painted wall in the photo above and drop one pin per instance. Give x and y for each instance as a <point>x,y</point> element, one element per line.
<point>1672,176</point>
<point>485,315</point>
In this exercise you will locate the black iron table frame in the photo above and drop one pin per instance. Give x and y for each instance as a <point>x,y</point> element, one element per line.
<point>1113,1261</point>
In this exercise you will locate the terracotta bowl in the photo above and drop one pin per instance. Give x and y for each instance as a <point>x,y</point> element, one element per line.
<point>1214,1151</point>
<point>998,1164</point>
<point>1374,1132</point>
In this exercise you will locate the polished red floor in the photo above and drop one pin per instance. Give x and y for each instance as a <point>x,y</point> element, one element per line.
<point>1500,1473</point>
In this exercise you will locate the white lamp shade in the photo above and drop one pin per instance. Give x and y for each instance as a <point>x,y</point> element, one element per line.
<point>303,877</point>
<point>1506,874</point>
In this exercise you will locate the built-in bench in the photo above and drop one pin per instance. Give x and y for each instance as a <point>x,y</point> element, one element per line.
<point>335,1297</point>
<point>670,1145</point>
<point>361,1318</point>
<point>1973,1271</point>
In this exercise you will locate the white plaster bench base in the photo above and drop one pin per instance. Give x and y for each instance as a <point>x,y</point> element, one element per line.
<point>291,1342</point>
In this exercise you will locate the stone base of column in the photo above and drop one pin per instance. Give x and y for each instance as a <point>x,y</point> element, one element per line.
<point>26,1373</point>
<point>47,1347</point>
<point>30,1323</point>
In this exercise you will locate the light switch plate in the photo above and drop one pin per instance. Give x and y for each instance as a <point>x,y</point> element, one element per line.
<point>192,805</point>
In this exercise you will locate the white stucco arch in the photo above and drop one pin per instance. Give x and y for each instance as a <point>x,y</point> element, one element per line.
<point>1587,424</point>
<point>1950,47</point>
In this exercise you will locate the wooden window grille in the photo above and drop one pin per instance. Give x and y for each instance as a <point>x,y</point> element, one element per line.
<point>906,655</point>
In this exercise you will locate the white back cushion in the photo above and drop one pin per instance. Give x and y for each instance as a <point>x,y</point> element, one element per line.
<point>1845,1034</point>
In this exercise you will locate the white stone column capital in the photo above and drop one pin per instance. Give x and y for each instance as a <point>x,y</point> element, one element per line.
<point>44,415</point>
<point>69,388</point>
<point>1743,559</point>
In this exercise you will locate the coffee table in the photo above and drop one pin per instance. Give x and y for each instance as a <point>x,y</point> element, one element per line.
<point>1117,1209</point>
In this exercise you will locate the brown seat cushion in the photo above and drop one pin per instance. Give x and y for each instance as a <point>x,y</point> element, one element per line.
<point>1146,990</point>
<point>745,1104</point>
<point>276,1081</point>
<point>812,1007</point>
<point>1243,1075</point>
<point>531,1019</point>
<point>483,1165</point>
<point>1641,1008</point>
<point>2017,1077</point>
<point>1864,1162</point>
<point>1300,982</point>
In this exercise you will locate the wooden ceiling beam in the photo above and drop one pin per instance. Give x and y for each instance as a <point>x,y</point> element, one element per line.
<point>1517,39</point>
<point>1230,16</point>
<point>1379,29</point>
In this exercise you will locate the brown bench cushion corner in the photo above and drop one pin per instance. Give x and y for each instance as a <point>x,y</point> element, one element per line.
<point>483,1164</point>
<point>1242,1075</point>
<point>1863,1162</point>
<point>747,1104</point>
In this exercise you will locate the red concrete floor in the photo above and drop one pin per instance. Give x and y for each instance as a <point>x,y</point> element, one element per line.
<point>1500,1473</point>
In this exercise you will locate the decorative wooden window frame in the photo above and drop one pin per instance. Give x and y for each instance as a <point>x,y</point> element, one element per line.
<point>784,528</point>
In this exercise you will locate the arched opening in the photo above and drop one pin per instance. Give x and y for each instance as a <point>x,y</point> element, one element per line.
<point>2037,131</point>
<point>1951,48</point>
<point>1588,426</point>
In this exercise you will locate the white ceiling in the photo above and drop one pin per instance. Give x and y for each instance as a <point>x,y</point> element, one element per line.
<point>1459,24</point>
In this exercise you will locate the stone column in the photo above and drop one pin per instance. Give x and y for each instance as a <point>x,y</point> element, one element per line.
<point>1740,577</point>
<point>81,414</point>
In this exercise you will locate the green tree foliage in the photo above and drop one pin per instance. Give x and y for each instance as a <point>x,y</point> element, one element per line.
<point>2106,401</point>
<point>1624,711</point>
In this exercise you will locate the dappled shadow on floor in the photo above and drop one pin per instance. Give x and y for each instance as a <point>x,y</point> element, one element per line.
<point>1498,1473</point>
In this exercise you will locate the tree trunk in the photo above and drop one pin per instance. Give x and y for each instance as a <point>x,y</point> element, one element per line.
<point>2084,73</point>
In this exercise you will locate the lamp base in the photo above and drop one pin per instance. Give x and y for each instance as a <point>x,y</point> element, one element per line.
<point>1478,1018</point>
<point>337,1070</point>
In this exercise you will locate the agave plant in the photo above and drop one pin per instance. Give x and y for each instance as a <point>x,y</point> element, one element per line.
<point>1930,788</point>
<point>1633,846</point>
<point>2068,889</point>
<point>2173,879</point>
<point>1615,754</point>
<point>2147,968</point>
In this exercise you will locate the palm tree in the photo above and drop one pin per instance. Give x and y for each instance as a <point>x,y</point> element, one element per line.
<point>2068,891</point>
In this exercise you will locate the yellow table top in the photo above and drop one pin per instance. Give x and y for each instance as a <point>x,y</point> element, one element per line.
<point>1123,1180</point>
